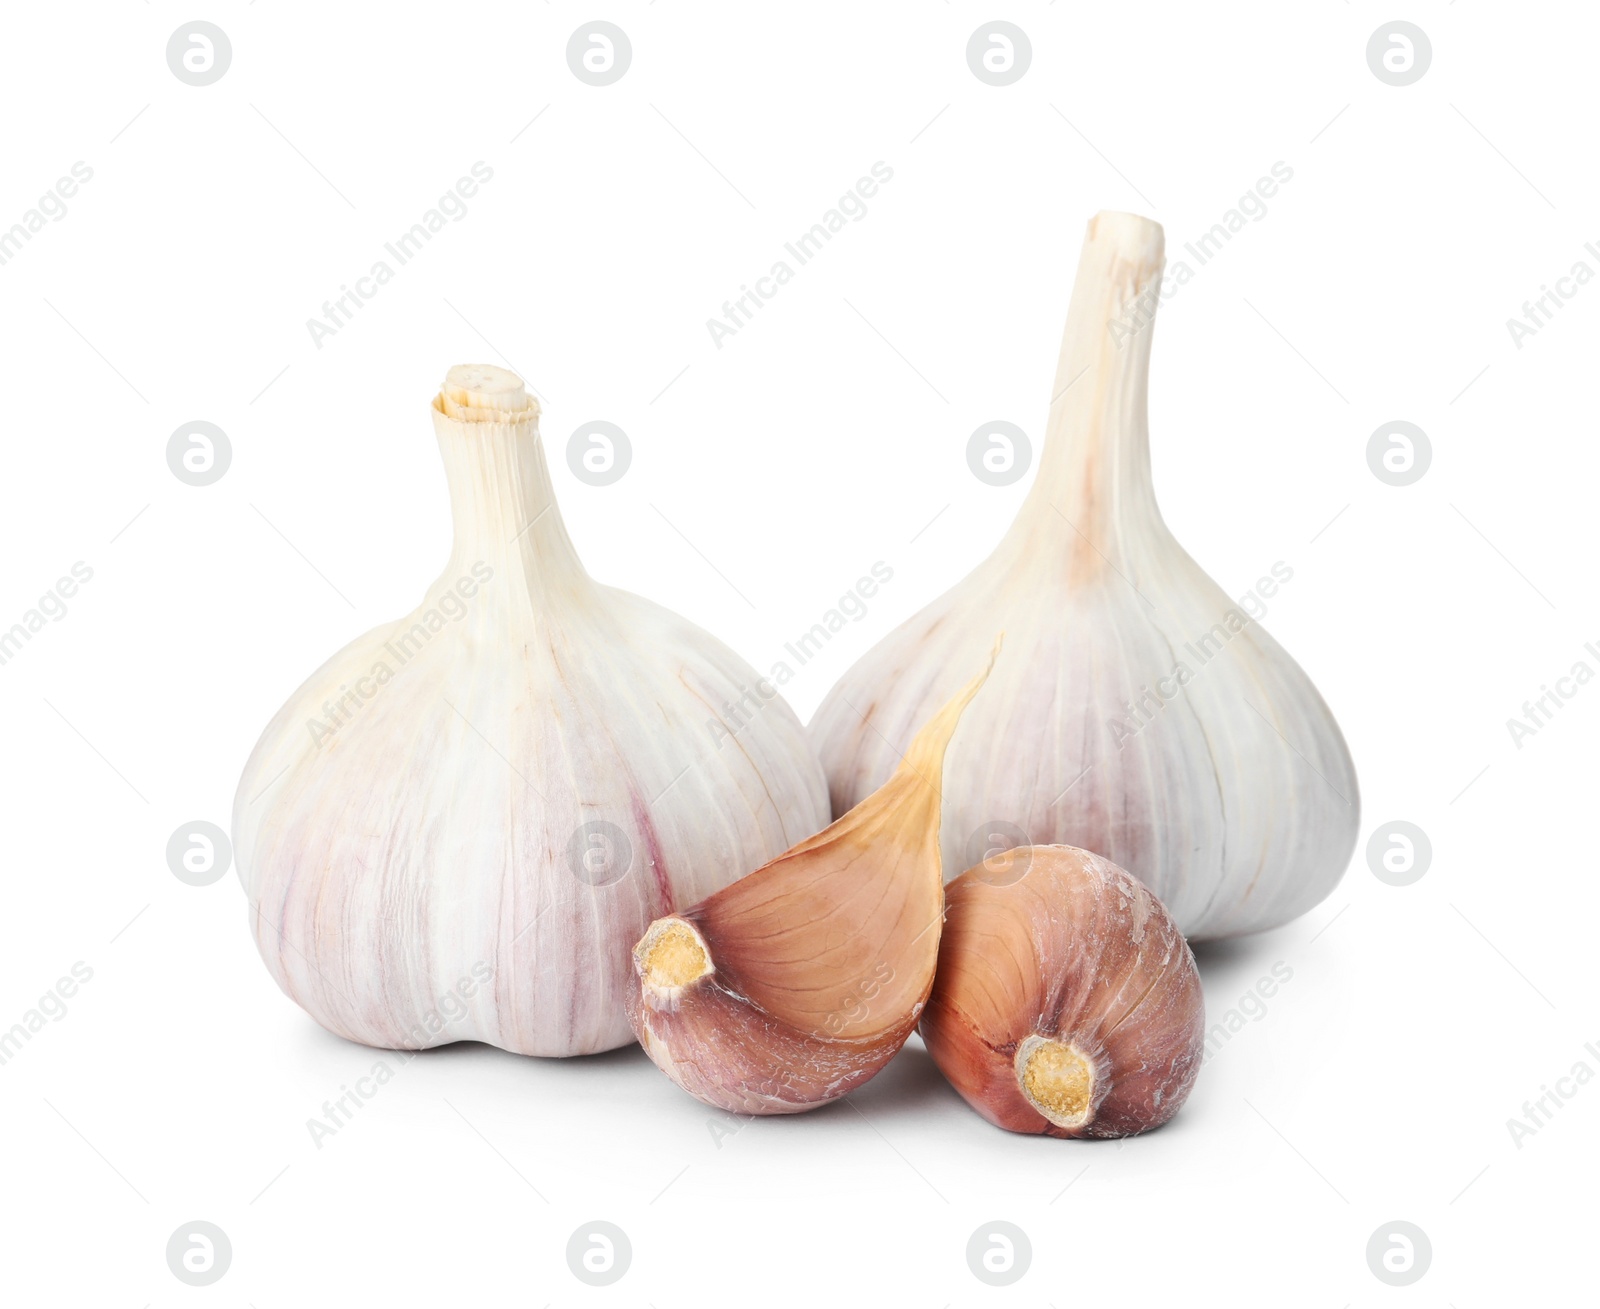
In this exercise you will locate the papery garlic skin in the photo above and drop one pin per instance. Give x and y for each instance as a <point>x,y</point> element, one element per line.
<point>1066,1002</point>
<point>418,868</point>
<point>798,983</point>
<point>1138,711</point>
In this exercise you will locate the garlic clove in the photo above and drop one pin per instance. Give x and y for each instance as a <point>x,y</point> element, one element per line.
<point>1067,1003</point>
<point>799,982</point>
<point>1140,711</point>
<point>459,825</point>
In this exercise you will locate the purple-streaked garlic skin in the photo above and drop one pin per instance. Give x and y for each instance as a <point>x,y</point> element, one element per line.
<point>1060,972</point>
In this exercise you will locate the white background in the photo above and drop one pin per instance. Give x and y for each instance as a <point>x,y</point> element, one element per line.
<point>823,437</point>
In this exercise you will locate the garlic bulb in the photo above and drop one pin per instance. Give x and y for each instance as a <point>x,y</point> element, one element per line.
<point>458,826</point>
<point>798,983</point>
<point>1066,1002</point>
<point>1138,711</point>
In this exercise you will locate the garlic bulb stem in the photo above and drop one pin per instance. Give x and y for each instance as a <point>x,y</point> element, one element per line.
<point>502,503</point>
<point>1093,486</point>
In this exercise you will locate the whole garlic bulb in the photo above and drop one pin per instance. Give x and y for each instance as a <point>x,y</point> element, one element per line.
<point>1137,711</point>
<point>457,828</point>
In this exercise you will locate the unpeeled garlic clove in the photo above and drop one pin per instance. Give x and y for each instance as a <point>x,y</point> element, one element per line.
<point>1067,1003</point>
<point>1140,712</point>
<point>799,982</point>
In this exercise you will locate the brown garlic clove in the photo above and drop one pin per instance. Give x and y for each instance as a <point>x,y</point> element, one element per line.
<point>800,981</point>
<point>1067,1002</point>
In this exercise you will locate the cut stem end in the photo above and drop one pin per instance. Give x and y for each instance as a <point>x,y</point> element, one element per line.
<point>670,957</point>
<point>1130,238</point>
<point>483,393</point>
<point>1058,1079</point>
